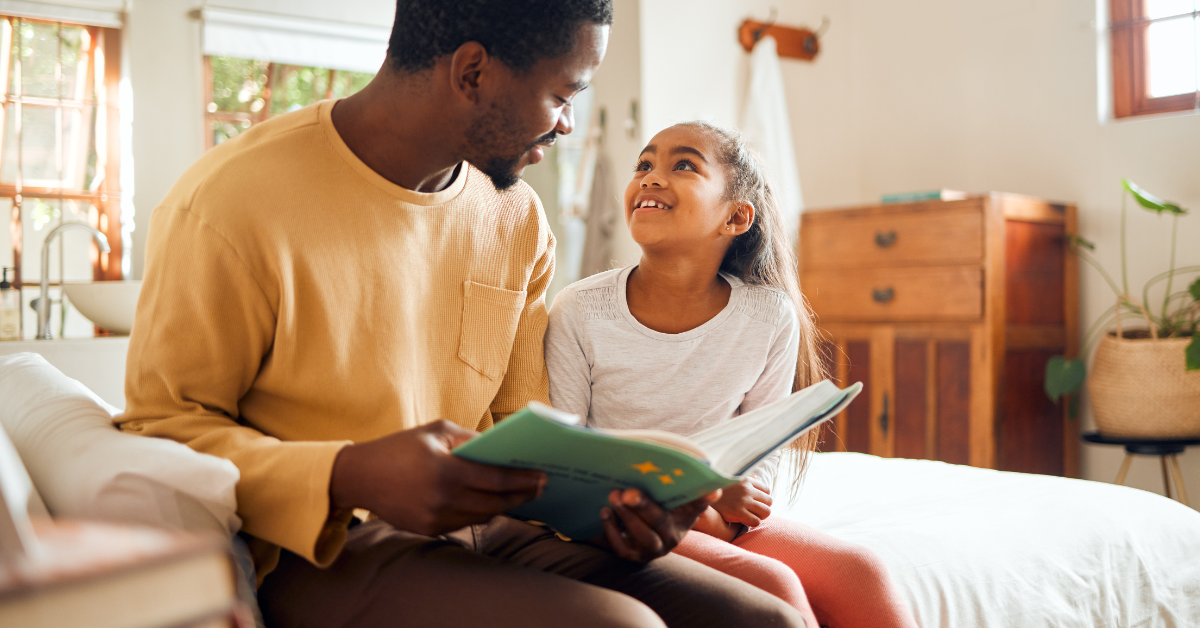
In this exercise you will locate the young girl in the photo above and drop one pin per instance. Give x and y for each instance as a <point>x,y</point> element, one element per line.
<point>709,325</point>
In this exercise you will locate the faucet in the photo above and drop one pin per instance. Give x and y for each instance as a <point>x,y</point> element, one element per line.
<point>43,330</point>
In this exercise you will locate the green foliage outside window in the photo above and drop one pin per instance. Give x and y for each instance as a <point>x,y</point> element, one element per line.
<point>237,84</point>
<point>39,46</point>
<point>245,92</point>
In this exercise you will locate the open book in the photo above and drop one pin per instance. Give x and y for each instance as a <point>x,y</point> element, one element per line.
<point>584,464</point>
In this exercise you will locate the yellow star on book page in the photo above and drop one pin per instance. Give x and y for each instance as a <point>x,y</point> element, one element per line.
<point>666,479</point>
<point>646,467</point>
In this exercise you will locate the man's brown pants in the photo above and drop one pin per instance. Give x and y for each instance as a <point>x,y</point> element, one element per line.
<point>505,573</point>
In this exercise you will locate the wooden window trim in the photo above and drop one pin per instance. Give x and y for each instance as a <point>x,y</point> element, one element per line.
<point>106,200</point>
<point>1129,63</point>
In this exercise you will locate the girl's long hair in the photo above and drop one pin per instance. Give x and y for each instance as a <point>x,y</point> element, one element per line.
<point>763,256</point>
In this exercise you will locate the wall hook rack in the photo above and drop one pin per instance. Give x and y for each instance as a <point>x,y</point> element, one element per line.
<point>791,42</point>
<point>758,32</point>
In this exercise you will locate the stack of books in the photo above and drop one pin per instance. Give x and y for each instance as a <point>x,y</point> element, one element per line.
<point>67,574</point>
<point>102,576</point>
<point>928,195</point>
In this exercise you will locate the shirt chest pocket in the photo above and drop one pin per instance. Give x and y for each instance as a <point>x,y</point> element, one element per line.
<point>489,325</point>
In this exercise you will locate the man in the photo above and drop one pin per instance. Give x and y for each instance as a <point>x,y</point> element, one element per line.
<point>323,288</point>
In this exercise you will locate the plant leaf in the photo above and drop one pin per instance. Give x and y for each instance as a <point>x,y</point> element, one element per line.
<point>1075,240</point>
<point>1192,353</point>
<point>1194,289</point>
<point>1150,201</point>
<point>1073,406</point>
<point>1063,376</point>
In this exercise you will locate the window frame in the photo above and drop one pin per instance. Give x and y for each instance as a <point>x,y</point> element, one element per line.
<point>1128,28</point>
<point>106,199</point>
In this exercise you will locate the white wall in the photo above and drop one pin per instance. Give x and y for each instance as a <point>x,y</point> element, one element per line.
<point>925,94</point>
<point>167,79</point>
<point>694,67</point>
<point>165,74</point>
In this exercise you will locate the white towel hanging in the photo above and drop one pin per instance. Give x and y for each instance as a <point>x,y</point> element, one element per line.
<point>766,127</point>
<point>604,218</point>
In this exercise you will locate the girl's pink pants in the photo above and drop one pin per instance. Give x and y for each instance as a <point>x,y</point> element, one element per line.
<point>847,585</point>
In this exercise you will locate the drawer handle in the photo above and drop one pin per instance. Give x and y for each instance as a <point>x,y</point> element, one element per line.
<point>884,240</point>
<point>883,417</point>
<point>883,295</point>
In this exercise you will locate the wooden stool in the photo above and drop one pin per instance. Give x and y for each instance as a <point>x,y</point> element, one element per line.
<point>1165,449</point>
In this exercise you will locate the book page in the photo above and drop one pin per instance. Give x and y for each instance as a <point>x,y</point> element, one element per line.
<point>660,437</point>
<point>740,442</point>
<point>719,438</point>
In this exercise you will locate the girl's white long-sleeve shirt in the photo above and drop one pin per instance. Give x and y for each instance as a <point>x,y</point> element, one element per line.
<point>606,366</point>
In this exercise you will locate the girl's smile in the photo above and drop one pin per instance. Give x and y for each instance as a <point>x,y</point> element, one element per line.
<point>647,202</point>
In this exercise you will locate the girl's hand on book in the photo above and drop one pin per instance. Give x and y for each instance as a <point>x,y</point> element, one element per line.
<point>639,530</point>
<point>748,502</point>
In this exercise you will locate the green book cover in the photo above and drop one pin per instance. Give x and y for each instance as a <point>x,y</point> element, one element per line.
<point>583,465</point>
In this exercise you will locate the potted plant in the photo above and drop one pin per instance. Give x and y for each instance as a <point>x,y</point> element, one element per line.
<point>1145,378</point>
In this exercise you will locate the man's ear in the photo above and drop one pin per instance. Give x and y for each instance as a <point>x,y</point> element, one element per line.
<point>467,67</point>
<point>741,220</point>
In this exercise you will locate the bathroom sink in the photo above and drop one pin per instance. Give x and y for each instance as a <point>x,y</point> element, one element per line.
<point>108,304</point>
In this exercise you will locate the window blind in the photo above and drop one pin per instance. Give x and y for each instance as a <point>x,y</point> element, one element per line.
<point>105,13</point>
<point>294,41</point>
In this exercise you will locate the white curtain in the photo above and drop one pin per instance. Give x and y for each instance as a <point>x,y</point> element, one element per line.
<point>106,13</point>
<point>766,127</point>
<point>293,40</point>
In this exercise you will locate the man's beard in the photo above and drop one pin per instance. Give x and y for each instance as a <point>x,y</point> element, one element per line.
<point>492,133</point>
<point>502,171</point>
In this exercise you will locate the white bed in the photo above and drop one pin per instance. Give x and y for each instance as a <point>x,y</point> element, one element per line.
<point>974,547</point>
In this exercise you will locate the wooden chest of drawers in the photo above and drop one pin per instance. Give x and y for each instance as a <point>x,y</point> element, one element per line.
<point>947,312</point>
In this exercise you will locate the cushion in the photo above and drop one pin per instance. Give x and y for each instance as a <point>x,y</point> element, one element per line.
<point>85,468</point>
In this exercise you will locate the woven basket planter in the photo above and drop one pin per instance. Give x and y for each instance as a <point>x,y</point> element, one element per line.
<point>1140,389</point>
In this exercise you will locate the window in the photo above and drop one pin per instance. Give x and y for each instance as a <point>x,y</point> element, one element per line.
<point>59,153</point>
<point>243,92</point>
<point>1155,56</point>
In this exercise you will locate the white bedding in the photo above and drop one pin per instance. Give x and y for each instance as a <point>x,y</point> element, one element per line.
<point>974,547</point>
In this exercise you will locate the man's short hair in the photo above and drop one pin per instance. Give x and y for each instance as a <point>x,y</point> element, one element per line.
<point>518,32</point>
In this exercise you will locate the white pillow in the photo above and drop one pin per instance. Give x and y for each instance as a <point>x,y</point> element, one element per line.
<point>85,468</point>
